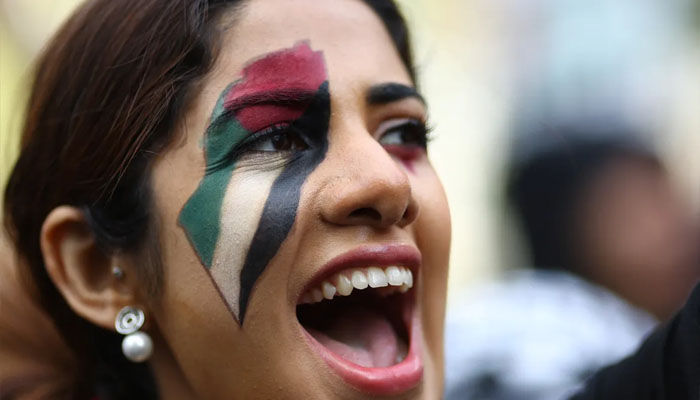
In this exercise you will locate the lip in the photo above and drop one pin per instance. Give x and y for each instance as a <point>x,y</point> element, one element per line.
<point>398,378</point>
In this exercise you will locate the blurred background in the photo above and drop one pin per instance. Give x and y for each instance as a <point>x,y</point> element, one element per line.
<point>496,73</point>
<point>609,89</point>
<point>503,75</point>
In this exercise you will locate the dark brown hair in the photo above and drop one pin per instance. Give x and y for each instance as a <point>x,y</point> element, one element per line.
<point>107,95</point>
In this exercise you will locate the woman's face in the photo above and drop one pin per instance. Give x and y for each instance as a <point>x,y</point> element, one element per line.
<point>304,233</point>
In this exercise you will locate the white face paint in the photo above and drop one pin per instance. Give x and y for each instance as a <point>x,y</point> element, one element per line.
<point>240,215</point>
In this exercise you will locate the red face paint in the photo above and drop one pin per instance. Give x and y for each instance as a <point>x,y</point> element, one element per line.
<point>289,76</point>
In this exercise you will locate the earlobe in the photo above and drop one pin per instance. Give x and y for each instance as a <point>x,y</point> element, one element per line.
<point>80,270</point>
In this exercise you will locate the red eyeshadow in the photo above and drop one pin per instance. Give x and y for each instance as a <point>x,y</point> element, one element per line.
<point>407,154</point>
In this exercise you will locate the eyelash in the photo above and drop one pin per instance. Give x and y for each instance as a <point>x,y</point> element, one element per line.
<point>247,147</point>
<point>421,137</point>
<point>270,133</point>
<point>422,133</point>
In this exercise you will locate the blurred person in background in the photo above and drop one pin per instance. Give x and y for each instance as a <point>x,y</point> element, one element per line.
<point>604,208</point>
<point>612,250</point>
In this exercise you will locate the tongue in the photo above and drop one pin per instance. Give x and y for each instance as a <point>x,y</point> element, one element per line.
<point>362,337</point>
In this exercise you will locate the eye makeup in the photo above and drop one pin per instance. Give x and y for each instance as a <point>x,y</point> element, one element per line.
<point>405,138</point>
<point>235,222</point>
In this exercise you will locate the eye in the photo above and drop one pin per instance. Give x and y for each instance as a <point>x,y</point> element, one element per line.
<point>274,139</point>
<point>274,143</point>
<point>404,132</point>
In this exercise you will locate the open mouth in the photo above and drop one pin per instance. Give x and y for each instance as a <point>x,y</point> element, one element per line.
<point>361,321</point>
<point>358,314</point>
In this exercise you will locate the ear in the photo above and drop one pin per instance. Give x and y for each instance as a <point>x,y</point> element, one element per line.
<point>81,271</point>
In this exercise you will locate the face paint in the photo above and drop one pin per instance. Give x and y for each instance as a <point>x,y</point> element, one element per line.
<point>287,87</point>
<point>405,139</point>
<point>412,139</point>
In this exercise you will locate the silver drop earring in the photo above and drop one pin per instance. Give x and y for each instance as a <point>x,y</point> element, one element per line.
<point>137,346</point>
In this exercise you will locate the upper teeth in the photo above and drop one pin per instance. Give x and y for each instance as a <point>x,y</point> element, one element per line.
<point>343,283</point>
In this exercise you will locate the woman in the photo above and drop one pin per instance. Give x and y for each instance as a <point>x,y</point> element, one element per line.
<point>241,190</point>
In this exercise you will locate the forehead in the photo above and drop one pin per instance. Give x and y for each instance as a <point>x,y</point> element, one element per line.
<point>357,48</point>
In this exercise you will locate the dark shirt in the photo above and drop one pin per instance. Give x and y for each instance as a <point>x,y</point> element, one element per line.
<point>665,367</point>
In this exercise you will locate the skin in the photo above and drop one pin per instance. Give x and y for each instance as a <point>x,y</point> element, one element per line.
<point>201,349</point>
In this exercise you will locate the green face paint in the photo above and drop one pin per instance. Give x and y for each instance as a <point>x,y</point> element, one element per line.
<point>201,215</point>
<point>238,217</point>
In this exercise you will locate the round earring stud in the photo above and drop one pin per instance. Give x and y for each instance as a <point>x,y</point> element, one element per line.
<point>137,346</point>
<point>117,272</point>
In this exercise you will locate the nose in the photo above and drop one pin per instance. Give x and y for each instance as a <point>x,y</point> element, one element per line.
<point>372,189</point>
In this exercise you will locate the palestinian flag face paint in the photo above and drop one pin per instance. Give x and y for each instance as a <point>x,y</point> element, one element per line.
<point>240,214</point>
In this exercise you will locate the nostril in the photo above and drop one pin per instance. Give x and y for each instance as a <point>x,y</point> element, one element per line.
<point>366,213</point>
<point>410,214</point>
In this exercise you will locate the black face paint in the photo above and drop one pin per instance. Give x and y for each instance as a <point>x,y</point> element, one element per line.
<point>281,206</point>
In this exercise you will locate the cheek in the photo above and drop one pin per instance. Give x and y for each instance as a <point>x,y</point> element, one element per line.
<point>433,235</point>
<point>190,316</point>
<point>433,226</point>
<point>258,361</point>
<point>240,215</point>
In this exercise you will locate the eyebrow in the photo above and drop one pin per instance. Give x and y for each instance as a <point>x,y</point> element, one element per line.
<point>280,97</point>
<point>389,92</point>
